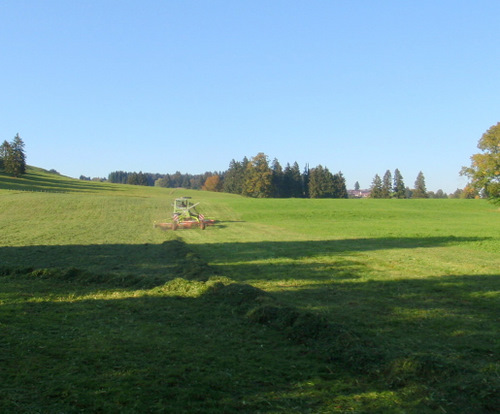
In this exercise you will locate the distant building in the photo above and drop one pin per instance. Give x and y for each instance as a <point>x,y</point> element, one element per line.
<point>358,193</point>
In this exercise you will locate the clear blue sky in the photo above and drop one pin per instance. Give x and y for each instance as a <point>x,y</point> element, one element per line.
<point>95,86</point>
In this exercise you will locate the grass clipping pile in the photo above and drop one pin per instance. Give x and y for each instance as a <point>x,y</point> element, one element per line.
<point>330,342</point>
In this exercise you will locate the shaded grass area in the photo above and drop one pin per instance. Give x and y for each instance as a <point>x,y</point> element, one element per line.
<point>145,351</point>
<point>73,340</point>
<point>157,263</point>
<point>393,319</point>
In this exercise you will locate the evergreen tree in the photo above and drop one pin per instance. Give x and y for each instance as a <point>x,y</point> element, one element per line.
<point>13,157</point>
<point>321,183</point>
<point>287,181</point>
<point>376,188</point>
<point>277,179</point>
<point>292,181</point>
<point>356,186</point>
<point>5,153</point>
<point>339,186</point>
<point>234,177</point>
<point>19,156</point>
<point>399,189</point>
<point>387,185</point>
<point>305,181</point>
<point>196,181</point>
<point>142,179</point>
<point>296,187</point>
<point>186,181</point>
<point>132,179</point>
<point>258,177</point>
<point>440,194</point>
<point>420,191</point>
<point>118,177</point>
<point>176,179</point>
<point>163,181</point>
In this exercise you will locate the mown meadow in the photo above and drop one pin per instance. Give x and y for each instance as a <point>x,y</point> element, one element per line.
<point>284,306</point>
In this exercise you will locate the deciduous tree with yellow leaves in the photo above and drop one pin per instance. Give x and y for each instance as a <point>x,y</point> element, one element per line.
<point>484,171</point>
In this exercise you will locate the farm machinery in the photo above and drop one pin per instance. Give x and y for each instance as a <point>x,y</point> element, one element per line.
<point>185,216</point>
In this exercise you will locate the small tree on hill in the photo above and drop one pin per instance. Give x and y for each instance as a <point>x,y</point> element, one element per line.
<point>13,157</point>
<point>5,151</point>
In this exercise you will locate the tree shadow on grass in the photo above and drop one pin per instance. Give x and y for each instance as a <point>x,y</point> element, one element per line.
<point>171,258</point>
<point>160,262</point>
<point>299,249</point>
<point>309,260</point>
<point>438,333</point>
<point>150,353</point>
<point>157,351</point>
<point>430,342</point>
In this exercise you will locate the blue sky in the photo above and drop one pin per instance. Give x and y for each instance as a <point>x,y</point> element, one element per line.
<point>162,86</point>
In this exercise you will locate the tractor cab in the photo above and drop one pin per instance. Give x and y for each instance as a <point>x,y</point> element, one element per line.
<point>184,208</point>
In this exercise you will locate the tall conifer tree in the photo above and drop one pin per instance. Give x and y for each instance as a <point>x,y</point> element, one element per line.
<point>277,179</point>
<point>339,186</point>
<point>420,191</point>
<point>387,185</point>
<point>376,187</point>
<point>13,157</point>
<point>399,185</point>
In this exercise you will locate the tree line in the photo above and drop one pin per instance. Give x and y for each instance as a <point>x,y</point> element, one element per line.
<point>254,177</point>
<point>178,179</point>
<point>393,186</point>
<point>13,157</point>
<point>260,179</point>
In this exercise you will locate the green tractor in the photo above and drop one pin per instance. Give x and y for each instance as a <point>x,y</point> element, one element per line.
<point>185,216</point>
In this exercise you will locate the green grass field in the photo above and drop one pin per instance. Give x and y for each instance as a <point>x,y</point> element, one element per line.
<point>284,306</point>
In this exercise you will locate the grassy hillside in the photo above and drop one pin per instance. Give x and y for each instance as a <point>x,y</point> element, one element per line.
<point>368,306</point>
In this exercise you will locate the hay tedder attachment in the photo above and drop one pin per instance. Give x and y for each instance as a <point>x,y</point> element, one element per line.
<point>185,216</point>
